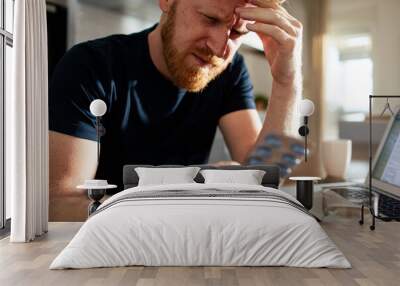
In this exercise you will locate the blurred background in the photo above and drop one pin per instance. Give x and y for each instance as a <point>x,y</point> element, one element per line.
<point>351,50</point>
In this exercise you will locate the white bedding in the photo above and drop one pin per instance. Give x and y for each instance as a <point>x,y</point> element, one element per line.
<point>202,231</point>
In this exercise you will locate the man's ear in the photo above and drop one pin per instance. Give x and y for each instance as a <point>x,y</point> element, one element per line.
<point>165,5</point>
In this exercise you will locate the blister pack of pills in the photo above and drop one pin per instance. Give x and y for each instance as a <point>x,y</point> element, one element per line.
<point>284,151</point>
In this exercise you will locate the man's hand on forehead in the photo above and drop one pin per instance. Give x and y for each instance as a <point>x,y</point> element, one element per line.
<point>274,3</point>
<point>269,19</point>
<point>280,33</point>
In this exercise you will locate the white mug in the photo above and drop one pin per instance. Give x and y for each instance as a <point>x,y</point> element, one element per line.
<point>336,157</point>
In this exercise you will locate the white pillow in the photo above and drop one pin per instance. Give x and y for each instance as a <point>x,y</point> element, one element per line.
<point>164,176</point>
<point>248,177</point>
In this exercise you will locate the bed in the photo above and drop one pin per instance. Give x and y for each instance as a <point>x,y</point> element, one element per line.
<point>198,224</point>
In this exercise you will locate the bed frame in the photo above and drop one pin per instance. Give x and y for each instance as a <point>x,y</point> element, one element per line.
<point>271,178</point>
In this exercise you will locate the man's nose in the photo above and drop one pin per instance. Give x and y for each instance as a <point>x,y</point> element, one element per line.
<point>218,42</point>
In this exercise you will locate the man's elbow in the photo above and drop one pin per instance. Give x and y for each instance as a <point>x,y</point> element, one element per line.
<point>66,203</point>
<point>64,188</point>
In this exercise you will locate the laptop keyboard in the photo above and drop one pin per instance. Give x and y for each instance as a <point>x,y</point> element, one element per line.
<point>388,206</point>
<point>355,195</point>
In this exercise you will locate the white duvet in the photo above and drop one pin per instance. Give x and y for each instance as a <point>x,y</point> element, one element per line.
<point>191,231</point>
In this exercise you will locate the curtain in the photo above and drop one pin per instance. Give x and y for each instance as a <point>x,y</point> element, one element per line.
<point>28,123</point>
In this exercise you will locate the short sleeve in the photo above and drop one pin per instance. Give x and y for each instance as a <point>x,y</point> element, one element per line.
<point>73,87</point>
<point>238,88</point>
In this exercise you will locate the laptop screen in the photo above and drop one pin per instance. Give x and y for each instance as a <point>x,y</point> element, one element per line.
<point>387,166</point>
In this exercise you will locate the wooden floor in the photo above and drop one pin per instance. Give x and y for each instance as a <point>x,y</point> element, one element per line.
<point>375,257</point>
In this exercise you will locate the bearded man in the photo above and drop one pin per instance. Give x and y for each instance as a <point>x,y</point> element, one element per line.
<point>167,89</point>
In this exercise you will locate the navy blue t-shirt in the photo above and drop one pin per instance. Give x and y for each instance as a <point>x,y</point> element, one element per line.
<point>149,120</point>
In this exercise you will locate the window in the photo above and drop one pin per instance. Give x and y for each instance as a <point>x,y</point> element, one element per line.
<point>356,78</point>
<point>350,69</point>
<point>349,79</point>
<point>6,44</point>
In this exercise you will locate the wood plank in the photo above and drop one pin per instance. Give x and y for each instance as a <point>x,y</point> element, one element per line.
<point>375,257</point>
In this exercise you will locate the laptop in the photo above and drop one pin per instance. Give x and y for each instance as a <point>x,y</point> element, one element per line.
<point>385,174</point>
<point>386,164</point>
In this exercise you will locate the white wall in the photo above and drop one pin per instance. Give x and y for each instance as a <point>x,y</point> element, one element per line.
<point>386,48</point>
<point>259,71</point>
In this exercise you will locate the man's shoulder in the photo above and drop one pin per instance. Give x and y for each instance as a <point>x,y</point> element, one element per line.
<point>110,47</point>
<point>235,71</point>
<point>118,40</point>
<point>237,63</point>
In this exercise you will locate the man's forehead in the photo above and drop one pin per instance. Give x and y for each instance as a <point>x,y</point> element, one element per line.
<point>224,6</point>
<point>224,9</point>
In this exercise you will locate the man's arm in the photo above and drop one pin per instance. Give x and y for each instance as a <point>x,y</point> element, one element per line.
<point>72,160</point>
<point>281,35</point>
<point>282,109</point>
<point>242,130</point>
